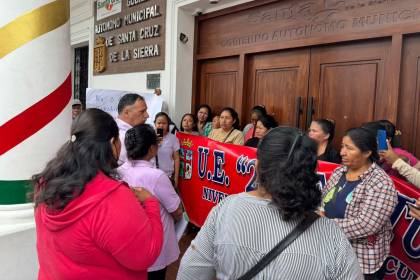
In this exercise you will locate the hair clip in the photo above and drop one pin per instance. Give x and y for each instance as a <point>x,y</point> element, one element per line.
<point>331,121</point>
<point>294,145</point>
<point>73,138</point>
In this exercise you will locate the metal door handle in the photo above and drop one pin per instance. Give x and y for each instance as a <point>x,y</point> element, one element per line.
<point>309,112</point>
<point>298,111</point>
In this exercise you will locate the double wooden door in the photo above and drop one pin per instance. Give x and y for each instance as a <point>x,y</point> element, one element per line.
<point>218,85</point>
<point>348,83</point>
<point>345,83</point>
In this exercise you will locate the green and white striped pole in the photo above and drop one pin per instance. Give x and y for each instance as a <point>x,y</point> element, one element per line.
<point>35,116</point>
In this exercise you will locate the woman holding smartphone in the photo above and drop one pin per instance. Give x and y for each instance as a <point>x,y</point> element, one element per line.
<point>167,158</point>
<point>360,197</point>
<point>383,127</point>
<point>410,173</point>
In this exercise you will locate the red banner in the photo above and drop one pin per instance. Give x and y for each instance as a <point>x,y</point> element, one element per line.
<point>211,170</point>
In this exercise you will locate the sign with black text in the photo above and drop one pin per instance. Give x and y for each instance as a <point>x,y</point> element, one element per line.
<point>134,35</point>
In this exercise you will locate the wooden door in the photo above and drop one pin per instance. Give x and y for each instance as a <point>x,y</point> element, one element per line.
<point>280,82</point>
<point>409,101</point>
<point>218,84</point>
<point>348,84</point>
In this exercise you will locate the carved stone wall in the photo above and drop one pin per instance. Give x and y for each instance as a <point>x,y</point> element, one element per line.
<point>293,20</point>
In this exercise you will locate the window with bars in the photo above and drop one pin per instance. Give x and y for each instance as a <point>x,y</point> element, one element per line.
<point>80,78</point>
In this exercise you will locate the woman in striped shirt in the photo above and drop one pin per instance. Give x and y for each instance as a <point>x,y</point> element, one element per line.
<point>244,227</point>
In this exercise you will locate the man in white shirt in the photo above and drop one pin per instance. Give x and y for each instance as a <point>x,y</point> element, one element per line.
<point>132,110</point>
<point>165,107</point>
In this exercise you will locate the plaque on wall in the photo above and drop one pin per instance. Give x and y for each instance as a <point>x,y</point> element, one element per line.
<point>99,55</point>
<point>153,81</point>
<point>134,36</point>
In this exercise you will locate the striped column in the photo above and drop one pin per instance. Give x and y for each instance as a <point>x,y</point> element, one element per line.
<point>35,82</point>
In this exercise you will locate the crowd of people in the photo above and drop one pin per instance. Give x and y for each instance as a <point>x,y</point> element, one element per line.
<point>106,205</point>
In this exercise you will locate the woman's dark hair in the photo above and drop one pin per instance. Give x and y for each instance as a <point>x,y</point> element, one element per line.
<point>373,127</point>
<point>210,115</point>
<point>138,141</point>
<point>79,160</point>
<point>389,128</point>
<point>174,129</point>
<point>286,170</point>
<point>328,127</point>
<point>234,115</point>
<point>163,114</point>
<point>365,141</point>
<point>259,110</point>
<point>268,121</point>
<point>194,121</point>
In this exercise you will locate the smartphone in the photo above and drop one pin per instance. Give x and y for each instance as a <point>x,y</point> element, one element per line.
<point>159,132</point>
<point>381,138</point>
<point>415,206</point>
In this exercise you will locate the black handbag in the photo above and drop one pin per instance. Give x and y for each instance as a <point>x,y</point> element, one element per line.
<point>298,230</point>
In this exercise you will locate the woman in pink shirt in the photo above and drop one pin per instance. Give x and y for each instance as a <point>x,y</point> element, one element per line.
<point>89,225</point>
<point>142,144</point>
<point>390,129</point>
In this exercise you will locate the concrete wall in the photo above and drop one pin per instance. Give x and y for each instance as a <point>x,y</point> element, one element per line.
<point>18,256</point>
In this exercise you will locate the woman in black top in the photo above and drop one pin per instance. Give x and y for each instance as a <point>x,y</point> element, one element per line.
<point>322,131</point>
<point>264,124</point>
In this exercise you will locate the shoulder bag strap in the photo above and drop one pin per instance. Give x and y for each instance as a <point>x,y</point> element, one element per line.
<point>298,230</point>
<point>157,161</point>
<point>227,136</point>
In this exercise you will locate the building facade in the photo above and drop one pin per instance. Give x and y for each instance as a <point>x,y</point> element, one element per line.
<point>351,61</point>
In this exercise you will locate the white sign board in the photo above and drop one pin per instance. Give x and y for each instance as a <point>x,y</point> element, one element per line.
<point>106,8</point>
<point>107,100</point>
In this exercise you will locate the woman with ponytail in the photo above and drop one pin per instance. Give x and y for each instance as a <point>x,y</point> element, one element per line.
<point>243,228</point>
<point>90,225</point>
<point>322,132</point>
<point>142,145</point>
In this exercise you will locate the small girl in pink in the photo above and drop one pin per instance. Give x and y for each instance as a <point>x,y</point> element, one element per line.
<point>142,144</point>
